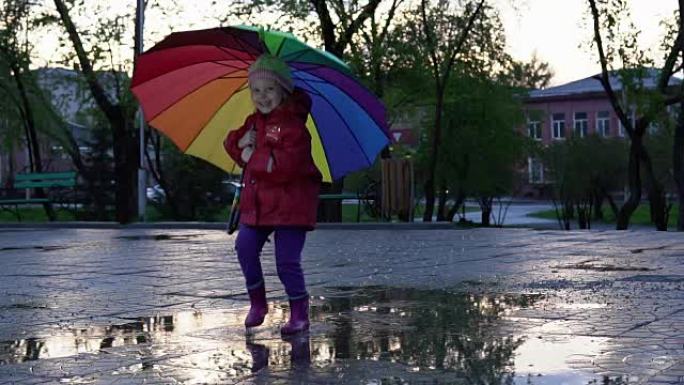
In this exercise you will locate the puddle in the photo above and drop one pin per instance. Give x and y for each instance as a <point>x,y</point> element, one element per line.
<point>370,335</point>
<point>39,248</point>
<point>592,265</point>
<point>159,237</point>
<point>547,360</point>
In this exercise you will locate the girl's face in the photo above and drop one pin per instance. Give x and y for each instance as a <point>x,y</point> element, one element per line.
<point>267,94</point>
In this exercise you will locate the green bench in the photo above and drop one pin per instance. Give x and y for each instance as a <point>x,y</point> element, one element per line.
<point>343,196</point>
<point>47,181</point>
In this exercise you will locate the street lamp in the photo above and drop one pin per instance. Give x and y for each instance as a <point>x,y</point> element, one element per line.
<point>142,176</point>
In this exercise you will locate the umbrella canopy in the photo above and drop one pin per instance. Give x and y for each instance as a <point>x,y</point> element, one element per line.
<point>193,87</point>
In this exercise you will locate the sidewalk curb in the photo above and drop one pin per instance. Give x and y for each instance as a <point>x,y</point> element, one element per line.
<point>221,226</point>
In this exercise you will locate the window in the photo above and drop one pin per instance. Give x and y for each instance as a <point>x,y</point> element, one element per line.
<point>534,129</point>
<point>603,123</point>
<point>558,123</point>
<point>581,124</point>
<point>535,170</point>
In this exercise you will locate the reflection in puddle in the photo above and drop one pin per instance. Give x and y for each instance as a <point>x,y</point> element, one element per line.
<point>159,237</point>
<point>546,359</point>
<point>600,266</point>
<point>359,335</point>
<point>38,248</point>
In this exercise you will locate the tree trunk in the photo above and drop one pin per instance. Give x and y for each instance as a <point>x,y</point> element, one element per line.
<point>432,164</point>
<point>441,204</point>
<point>429,189</point>
<point>611,202</point>
<point>486,216</point>
<point>656,192</point>
<point>678,165</point>
<point>126,153</point>
<point>32,142</point>
<point>331,211</point>
<point>486,207</point>
<point>678,145</point>
<point>460,200</point>
<point>583,209</point>
<point>598,205</point>
<point>634,178</point>
<point>120,118</point>
<point>658,205</point>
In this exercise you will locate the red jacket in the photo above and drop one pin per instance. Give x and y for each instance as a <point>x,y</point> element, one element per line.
<point>288,195</point>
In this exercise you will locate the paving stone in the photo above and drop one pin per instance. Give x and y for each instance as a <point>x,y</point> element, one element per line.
<point>166,306</point>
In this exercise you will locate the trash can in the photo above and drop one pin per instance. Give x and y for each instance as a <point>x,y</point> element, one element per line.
<point>397,189</point>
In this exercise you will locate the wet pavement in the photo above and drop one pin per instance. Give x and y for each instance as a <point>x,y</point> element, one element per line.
<point>481,306</point>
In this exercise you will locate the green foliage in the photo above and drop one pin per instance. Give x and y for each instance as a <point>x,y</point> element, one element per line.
<point>659,142</point>
<point>361,180</point>
<point>641,216</point>
<point>20,97</point>
<point>195,188</point>
<point>481,149</point>
<point>99,162</point>
<point>434,33</point>
<point>580,166</point>
<point>11,124</point>
<point>527,75</point>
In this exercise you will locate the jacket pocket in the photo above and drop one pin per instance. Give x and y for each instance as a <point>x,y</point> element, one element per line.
<point>270,198</point>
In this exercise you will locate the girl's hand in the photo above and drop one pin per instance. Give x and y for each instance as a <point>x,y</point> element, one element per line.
<point>247,140</point>
<point>246,154</point>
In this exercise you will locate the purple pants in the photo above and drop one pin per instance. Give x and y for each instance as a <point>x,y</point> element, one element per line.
<point>289,242</point>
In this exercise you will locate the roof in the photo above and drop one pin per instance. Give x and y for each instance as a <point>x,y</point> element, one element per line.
<point>593,85</point>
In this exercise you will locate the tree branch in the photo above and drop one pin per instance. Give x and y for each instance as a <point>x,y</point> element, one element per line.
<point>86,66</point>
<point>463,38</point>
<point>604,77</point>
<point>671,59</point>
<point>432,48</point>
<point>327,26</point>
<point>388,20</point>
<point>349,32</point>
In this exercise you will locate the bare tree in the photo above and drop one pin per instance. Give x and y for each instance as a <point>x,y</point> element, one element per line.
<point>605,19</point>
<point>15,53</point>
<point>120,114</point>
<point>441,35</point>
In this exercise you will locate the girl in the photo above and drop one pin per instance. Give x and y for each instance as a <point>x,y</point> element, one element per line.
<point>281,187</point>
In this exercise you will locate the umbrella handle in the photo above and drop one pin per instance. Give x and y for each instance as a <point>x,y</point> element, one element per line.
<point>234,216</point>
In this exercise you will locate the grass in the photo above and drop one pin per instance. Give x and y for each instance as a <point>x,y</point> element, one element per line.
<point>37,214</point>
<point>34,214</point>
<point>641,215</point>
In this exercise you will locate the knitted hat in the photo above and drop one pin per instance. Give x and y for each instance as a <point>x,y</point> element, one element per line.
<point>271,67</point>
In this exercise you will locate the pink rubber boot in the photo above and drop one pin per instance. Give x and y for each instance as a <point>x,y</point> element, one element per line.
<point>299,317</point>
<point>258,308</point>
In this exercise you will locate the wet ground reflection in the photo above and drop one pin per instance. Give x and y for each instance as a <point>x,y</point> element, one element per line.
<point>159,237</point>
<point>369,335</point>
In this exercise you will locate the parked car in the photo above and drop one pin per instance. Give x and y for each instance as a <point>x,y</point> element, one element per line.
<point>224,196</point>
<point>155,193</point>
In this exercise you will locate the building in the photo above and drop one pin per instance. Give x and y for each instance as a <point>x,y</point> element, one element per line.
<point>578,108</point>
<point>71,99</point>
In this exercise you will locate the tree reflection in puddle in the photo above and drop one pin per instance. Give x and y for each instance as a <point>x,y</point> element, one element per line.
<point>358,335</point>
<point>424,329</point>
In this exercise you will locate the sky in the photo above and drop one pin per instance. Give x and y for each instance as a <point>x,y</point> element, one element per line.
<point>553,29</point>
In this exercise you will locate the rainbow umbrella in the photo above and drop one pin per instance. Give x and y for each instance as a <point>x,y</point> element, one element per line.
<point>193,87</point>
